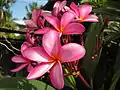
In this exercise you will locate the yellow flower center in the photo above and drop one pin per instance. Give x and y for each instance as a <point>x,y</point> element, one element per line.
<point>81,18</point>
<point>54,58</point>
<point>61,29</point>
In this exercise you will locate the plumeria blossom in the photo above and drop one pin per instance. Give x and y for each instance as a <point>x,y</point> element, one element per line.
<point>64,26</point>
<point>51,56</point>
<point>83,13</point>
<point>23,61</point>
<point>58,7</point>
<point>35,21</point>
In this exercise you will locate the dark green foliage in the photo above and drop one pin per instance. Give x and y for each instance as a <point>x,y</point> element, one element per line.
<point>18,83</point>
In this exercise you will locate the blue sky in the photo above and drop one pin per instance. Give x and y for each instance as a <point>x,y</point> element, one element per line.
<point>18,8</point>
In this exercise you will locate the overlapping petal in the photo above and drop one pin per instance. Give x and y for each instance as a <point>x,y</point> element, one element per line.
<point>56,76</point>
<point>43,30</point>
<point>29,67</point>
<point>37,54</point>
<point>74,28</point>
<point>66,19</point>
<point>39,70</point>
<point>71,52</point>
<point>55,22</point>
<point>51,42</point>
<point>24,46</point>
<point>74,8</point>
<point>85,10</point>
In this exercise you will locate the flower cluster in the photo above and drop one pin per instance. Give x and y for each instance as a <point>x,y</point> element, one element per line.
<point>43,51</point>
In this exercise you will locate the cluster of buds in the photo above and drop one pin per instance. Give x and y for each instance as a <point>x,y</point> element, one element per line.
<point>48,48</point>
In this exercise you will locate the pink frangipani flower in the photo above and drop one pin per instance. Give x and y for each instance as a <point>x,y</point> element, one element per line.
<point>58,7</point>
<point>64,26</point>
<point>35,21</point>
<point>23,61</point>
<point>51,56</point>
<point>83,13</point>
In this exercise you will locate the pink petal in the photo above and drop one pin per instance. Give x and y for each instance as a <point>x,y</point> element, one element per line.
<point>91,18</point>
<point>30,24</point>
<point>51,42</point>
<point>75,8</point>
<point>18,59</point>
<point>24,46</point>
<point>55,11</point>
<point>71,52</point>
<point>66,19</point>
<point>85,10</point>
<point>29,68</point>
<point>39,70</point>
<point>74,28</point>
<point>19,68</point>
<point>43,30</point>
<point>37,54</point>
<point>35,14</point>
<point>53,21</point>
<point>57,4</point>
<point>56,76</point>
<point>62,5</point>
<point>45,12</point>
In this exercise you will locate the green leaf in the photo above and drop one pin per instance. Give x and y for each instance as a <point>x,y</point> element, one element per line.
<point>90,43</point>
<point>9,89</point>
<point>23,84</point>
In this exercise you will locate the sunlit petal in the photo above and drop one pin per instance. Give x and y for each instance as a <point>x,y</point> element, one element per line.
<point>74,28</point>
<point>36,54</point>
<point>72,52</point>
<point>56,76</point>
<point>39,70</point>
<point>51,42</point>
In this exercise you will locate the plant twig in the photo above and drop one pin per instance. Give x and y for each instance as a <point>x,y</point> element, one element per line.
<point>8,48</point>
<point>11,44</point>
